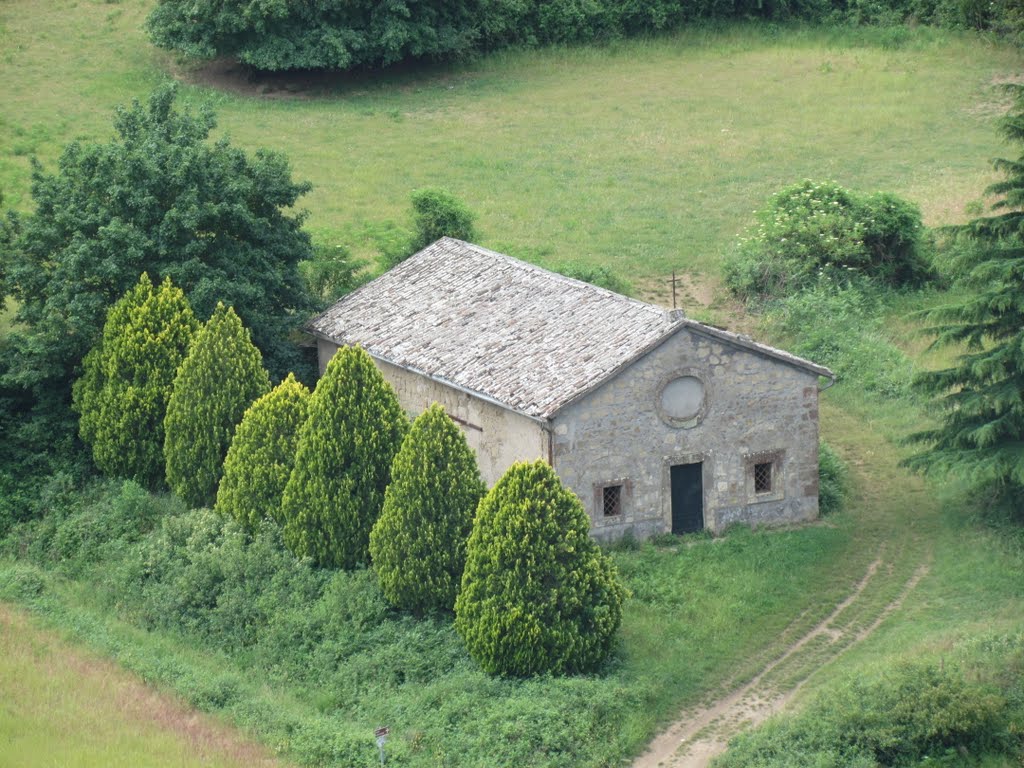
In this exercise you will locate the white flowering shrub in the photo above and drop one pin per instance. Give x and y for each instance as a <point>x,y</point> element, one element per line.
<point>815,228</point>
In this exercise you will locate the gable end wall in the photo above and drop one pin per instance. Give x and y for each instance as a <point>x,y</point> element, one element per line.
<point>756,409</point>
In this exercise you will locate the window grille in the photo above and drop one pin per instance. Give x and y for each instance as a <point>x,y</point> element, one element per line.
<point>763,477</point>
<point>612,500</point>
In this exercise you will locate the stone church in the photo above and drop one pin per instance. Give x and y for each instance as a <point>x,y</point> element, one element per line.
<point>658,423</point>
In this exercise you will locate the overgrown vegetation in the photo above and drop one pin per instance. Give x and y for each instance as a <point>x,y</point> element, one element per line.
<point>312,660</point>
<point>910,714</point>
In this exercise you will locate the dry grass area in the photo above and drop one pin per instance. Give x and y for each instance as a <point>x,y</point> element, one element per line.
<point>63,706</point>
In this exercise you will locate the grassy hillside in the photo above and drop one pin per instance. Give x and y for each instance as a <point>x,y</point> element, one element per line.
<point>644,155</point>
<point>63,706</point>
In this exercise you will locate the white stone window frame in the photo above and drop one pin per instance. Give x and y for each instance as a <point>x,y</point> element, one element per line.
<point>688,423</point>
<point>777,458</point>
<point>625,498</point>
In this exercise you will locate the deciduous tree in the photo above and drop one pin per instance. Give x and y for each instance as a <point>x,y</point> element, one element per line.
<point>218,379</point>
<point>418,545</point>
<point>159,197</point>
<point>538,595</point>
<point>343,462</point>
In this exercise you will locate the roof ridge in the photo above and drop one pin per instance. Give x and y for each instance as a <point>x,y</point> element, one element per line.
<point>531,267</point>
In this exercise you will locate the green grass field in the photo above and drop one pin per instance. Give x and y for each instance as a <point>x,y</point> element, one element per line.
<point>63,706</point>
<point>643,156</point>
<point>646,156</point>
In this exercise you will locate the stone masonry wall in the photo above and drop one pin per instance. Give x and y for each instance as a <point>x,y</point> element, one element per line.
<point>756,409</point>
<point>498,436</point>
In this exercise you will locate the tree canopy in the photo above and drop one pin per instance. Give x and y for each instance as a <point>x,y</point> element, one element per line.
<point>418,545</point>
<point>538,595</point>
<point>354,428</point>
<point>128,376</point>
<point>981,397</point>
<point>219,378</point>
<point>161,198</point>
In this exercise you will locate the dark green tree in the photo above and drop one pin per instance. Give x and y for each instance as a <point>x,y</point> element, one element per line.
<point>981,397</point>
<point>262,455</point>
<point>219,378</point>
<point>538,595</point>
<point>329,34</point>
<point>418,545</point>
<point>438,213</point>
<point>122,395</point>
<point>159,197</point>
<point>343,461</point>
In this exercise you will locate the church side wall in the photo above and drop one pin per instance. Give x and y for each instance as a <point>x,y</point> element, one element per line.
<point>755,410</point>
<point>498,436</point>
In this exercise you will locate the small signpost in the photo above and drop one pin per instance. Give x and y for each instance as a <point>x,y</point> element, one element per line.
<point>382,737</point>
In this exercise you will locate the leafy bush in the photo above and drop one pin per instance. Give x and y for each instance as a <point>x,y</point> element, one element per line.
<point>602,277</point>
<point>833,480</point>
<point>219,378</point>
<point>262,455</point>
<point>418,545</point>
<point>537,595</point>
<point>84,526</point>
<point>127,380</point>
<point>342,462</point>
<point>436,214</point>
<point>900,717</point>
<point>820,228</point>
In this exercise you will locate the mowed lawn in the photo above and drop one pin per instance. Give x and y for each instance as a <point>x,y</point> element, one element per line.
<point>645,156</point>
<point>62,706</point>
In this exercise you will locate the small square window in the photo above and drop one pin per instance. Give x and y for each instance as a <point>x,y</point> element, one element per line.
<point>763,477</point>
<point>611,496</point>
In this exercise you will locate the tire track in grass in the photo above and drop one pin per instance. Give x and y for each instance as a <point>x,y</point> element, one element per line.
<point>693,740</point>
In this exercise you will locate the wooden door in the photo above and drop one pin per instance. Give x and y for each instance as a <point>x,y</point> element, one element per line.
<point>687,498</point>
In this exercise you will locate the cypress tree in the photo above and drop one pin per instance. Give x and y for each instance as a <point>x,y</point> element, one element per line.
<point>123,393</point>
<point>538,595</point>
<point>418,545</point>
<point>219,378</point>
<point>343,462</point>
<point>262,455</point>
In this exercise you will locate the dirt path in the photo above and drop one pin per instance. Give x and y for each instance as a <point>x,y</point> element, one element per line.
<point>702,733</point>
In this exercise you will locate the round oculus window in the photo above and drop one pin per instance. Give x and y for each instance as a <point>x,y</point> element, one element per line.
<point>682,399</point>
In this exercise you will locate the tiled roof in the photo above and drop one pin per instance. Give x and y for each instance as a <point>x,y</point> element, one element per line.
<point>527,338</point>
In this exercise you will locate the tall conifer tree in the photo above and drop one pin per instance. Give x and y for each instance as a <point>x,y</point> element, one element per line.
<point>123,393</point>
<point>538,595</point>
<point>262,455</point>
<point>220,377</point>
<point>343,462</point>
<point>418,545</point>
<point>981,397</point>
